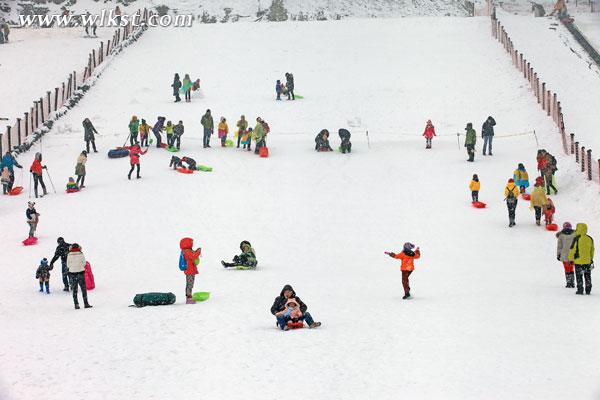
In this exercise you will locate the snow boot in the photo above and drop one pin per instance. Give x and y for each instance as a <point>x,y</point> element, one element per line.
<point>286,328</point>
<point>406,296</point>
<point>47,287</point>
<point>570,279</point>
<point>227,265</point>
<point>537,222</point>
<point>87,305</point>
<point>579,291</point>
<point>314,325</point>
<point>66,289</point>
<point>77,306</point>
<point>41,287</point>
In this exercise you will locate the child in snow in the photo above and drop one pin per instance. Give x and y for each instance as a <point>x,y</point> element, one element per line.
<point>563,245</point>
<point>175,162</point>
<point>5,179</point>
<point>223,131</point>
<point>247,139</point>
<point>32,218</point>
<point>196,85</point>
<point>72,185</point>
<point>549,211</point>
<point>292,310</point>
<point>278,89</point>
<point>177,133</point>
<point>144,132</point>
<point>407,256</point>
<point>475,185</point>
<point>346,146</point>
<point>169,131</point>
<point>134,126</point>
<point>43,274</point>
<point>429,133</point>
<point>191,258</point>
<point>246,259</point>
<point>521,178</point>
<point>322,141</point>
<point>134,159</point>
<point>538,202</point>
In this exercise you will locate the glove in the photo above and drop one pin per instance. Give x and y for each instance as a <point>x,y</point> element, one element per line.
<point>558,258</point>
<point>20,166</point>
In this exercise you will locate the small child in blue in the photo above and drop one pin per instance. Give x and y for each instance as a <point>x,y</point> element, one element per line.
<point>43,274</point>
<point>278,89</point>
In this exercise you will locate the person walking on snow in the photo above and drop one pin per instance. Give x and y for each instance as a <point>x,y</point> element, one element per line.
<point>36,170</point>
<point>511,195</point>
<point>176,85</point>
<point>134,159</point>
<point>538,202</point>
<point>88,135</point>
<point>42,274</point>
<point>290,85</point>
<point>487,133</point>
<point>242,126</point>
<point>521,178</point>
<point>582,255</point>
<point>429,133</point>
<point>564,240</point>
<point>76,265</point>
<point>157,129</point>
<point>61,252</point>
<point>549,211</point>
<point>208,125</point>
<point>80,169</point>
<point>407,256</point>
<point>134,126</point>
<point>474,186</point>
<point>9,161</point>
<point>32,218</point>
<point>470,140</point>
<point>278,309</point>
<point>191,258</point>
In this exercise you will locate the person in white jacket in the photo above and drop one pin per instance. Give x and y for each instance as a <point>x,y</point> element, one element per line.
<point>76,265</point>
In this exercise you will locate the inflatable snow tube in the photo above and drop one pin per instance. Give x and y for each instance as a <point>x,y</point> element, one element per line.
<point>201,296</point>
<point>172,149</point>
<point>478,204</point>
<point>526,196</point>
<point>264,152</point>
<point>154,299</point>
<point>118,153</point>
<point>552,227</point>
<point>15,191</point>
<point>185,170</point>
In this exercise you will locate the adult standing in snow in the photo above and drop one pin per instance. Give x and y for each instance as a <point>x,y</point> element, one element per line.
<point>582,255</point>
<point>176,85</point>
<point>88,135</point>
<point>470,140</point>
<point>487,133</point>
<point>157,129</point>
<point>289,79</point>
<point>538,201</point>
<point>187,88</point>
<point>564,240</point>
<point>5,31</point>
<point>548,172</point>
<point>258,134</point>
<point>242,125</point>
<point>36,170</point>
<point>80,169</point>
<point>177,133</point>
<point>278,309</point>
<point>10,162</point>
<point>134,125</point>
<point>208,125</point>
<point>429,133</point>
<point>76,265</point>
<point>511,195</point>
<point>62,251</point>
<point>32,218</point>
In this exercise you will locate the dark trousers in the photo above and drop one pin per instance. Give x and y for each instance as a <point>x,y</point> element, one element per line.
<point>12,180</point>
<point>306,317</point>
<point>188,95</point>
<point>538,213</point>
<point>428,142</point>
<point>65,274</point>
<point>169,140</point>
<point>511,211</point>
<point>133,139</point>
<point>549,184</point>
<point>144,140</point>
<point>278,95</point>
<point>5,188</point>
<point>131,170</point>
<point>471,152</point>
<point>206,139</point>
<point>240,133</point>
<point>291,94</point>
<point>176,141</point>
<point>87,145</point>
<point>405,283</point>
<point>475,195</point>
<point>259,144</point>
<point>78,279</point>
<point>583,272</point>
<point>487,141</point>
<point>80,178</point>
<point>177,98</point>
<point>158,139</point>
<point>38,179</point>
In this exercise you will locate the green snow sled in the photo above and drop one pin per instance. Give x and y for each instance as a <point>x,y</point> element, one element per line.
<point>229,143</point>
<point>204,168</point>
<point>172,149</point>
<point>297,96</point>
<point>201,296</point>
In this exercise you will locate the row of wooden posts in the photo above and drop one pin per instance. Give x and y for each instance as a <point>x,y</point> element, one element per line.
<point>39,113</point>
<point>548,101</point>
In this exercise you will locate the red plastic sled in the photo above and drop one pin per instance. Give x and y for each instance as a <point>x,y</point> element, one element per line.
<point>185,170</point>
<point>89,277</point>
<point>30,241</point>
<point>263,152</point>
<point>16,191</point>
<point>163,145</point>
<point>72,190</point>
<point>551,227</point>
<point>478,204</point>
<point>526,196</point>
<point>295,325</point>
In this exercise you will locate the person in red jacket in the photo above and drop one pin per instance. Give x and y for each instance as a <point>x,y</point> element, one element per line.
<point>134,159</point>
<point>407,256</point>
<point>36,170</point>
<point>429,133</point>
<point>192,258</point>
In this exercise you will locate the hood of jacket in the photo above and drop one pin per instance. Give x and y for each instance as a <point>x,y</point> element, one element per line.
<point>581,229</point>
<point>186,243</point>
<point>288,287</point>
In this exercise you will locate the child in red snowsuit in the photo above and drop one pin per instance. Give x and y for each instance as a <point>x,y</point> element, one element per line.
<point>407,256</point>
<point>549,211</point>
<point>429,133</point>
<point>191,258</point>
<point>134,159</point>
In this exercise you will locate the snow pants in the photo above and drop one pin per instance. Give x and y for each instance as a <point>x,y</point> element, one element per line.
<point>189,285</point>
<point>512,208</point>
<point>583,272</point>
<point>475,195</point>
<point>37,179</point>
<point>405,282</point>
<point>306,317</point>
<point>78,279</point>
<point>206,141</point>
<point>65,274</point>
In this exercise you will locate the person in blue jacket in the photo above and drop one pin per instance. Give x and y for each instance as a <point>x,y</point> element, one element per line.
<point>157,129</point>
<point>278,89</point>
<point>10,162</point>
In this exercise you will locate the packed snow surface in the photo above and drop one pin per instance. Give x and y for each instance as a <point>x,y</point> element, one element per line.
<point>490,318</point>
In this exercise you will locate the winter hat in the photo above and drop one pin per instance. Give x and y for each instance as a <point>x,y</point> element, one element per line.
<point>75,247</point>
<point>291,302</point>
<point>30,203</point>
<point>408,246</point>
<point>44,262</point>
<point>521,166</point>
<point>567,225</point>
<point>511,180</point>
<point>60,240</point>
<point>244,242</point>
<point>469,125</point>
<point>428,122</point>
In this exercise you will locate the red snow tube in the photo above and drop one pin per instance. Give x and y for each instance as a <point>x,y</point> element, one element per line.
<point>478,204</point>
<point>30,241</point>
<point>264,152</point>
<point>295,325</point>
<point>185,170</point>
<point>526,196</point>
<point>551,227</point>
<point>89,277</point>
<point>72,190</point>
<point>15,191</point>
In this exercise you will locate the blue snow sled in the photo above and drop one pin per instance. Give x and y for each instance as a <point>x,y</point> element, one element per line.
<point>118,153</point>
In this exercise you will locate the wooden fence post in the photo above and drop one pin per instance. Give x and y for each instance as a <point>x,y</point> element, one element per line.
<point>589,164</point>
<point>37,115</point>
<point>8,136</point>
<point>19,131</point>
<point>74,81</point>
<point>548,103</point>
<point>101,53</point>
<point>2,150</point>
<point>572,143</point>
<point>107,47</point>
<point>55,99</point>
<point>49,102</point>
<point>42,109</point>
<point>577,152</point>
<point>582,158</point>
<point>94,57</point>
<point>26,124</point>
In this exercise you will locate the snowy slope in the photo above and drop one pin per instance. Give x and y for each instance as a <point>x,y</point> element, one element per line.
<point>489,319</point>
<point>589,25</point>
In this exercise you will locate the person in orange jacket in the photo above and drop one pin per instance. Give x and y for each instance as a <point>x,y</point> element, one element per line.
<point>36,170</point>
<point>191,259</point>
<point>407,256</point>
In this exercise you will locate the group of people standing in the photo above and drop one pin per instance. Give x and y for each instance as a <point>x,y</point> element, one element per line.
<point>287,88</point>
<point>186,87</point>
<point>487,133</point>
<point>245,133</point>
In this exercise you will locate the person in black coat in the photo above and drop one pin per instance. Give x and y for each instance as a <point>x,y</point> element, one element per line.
<point>177,133</point>
<point>289,84</point>
<point>88,135</point>
<point>346,146</point>
<point>278,309</point>
<point>176,85</point>
<point>157,129</point>
<point>487,133</point>
<point>62,251</point>
<point>322,141</point>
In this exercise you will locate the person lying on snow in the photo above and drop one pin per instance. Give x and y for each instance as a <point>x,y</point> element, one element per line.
<point>246,259</point>
<point>177,162</point>
<point>346,146</point>
<point>322,141</point>
<point>278,309</point>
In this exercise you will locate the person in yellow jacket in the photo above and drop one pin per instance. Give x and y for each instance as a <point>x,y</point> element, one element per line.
<point>169,131</point>
<point>582,255</point>
<point>223,131</point>
<point>521,178</point>
<point>511,196</point>
<point>144,129</point>
<point>538,201</point>
<point>475,185</point>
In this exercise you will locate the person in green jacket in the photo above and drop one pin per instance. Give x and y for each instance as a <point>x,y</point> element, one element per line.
<point>247,259</point>
<point>186,88</point>
<point>258,134</point>
<point>208,125</point>
<point>242,125</point>
<point>470,140</point>
<point>582,255</point>
<point>134,126</point>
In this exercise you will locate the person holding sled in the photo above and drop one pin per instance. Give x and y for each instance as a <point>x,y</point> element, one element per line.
<point>159,126</point>
<point>134,126</point>
<point>208,125</point>
<point>511,195</point>
<point>322,141</point>
<point>470,140</point>
<point>346,146</point>
<point>9,161</point>
<point>278,309</point>
<point>134,159</point>
<point>538,202</point>
<point>76,265</point>
<point>80,169</point>
<point>564,240</point>
<point>32,218</point>
<point>247,259</point>
<point>521,178</point>
<point>429,133</point>
<point>487,133</point>
<point>176,85</point>
<point>582,255</point>
<point>474,186</point>
<point>42,274</point>
<point>242,126</point>
<point>88,135</point>
<point>258,134</point>
<point>61,252</point>
<point>188,263</point>
<point>407,256</point>
<point>36,170</point>
<point>549,211</point>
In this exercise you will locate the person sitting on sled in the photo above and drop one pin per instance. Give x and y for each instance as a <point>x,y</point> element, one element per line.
<point>246,259</point>
<point>322,141</point>
<point>346,146</point>
<point>278,309</point>
<point>407,256</point>
<point>429,133</point>
<point>292,310</point>
<point>72,185</point>
<point>549,211</point>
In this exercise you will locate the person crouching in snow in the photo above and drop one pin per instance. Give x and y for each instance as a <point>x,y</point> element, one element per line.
<point>322,141</point>
<point>407,256</point>
<point>475,185</point>
<point>564,239</point>
<point>429,133</point>
<point>175,162</point>
<point>246,259</point>
<point>134,159</point>
<point>549,211</point>
<point>223,131</point>
<point>521,178</point>
<point>346,146</point>
<point>278,309</point>
<point>43,275</point>
<point>191,259</point>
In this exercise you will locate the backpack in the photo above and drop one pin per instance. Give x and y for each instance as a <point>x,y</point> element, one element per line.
<point>153,299</point>
<point>182,263</point>
<point>510,198</point>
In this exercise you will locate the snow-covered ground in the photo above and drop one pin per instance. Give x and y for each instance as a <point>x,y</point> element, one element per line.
<point>565,67</point>
<point>589,25</point>
<point>38,60</point>
<point>490,318</point>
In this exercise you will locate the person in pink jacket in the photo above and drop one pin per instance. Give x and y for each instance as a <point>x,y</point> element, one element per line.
<point>429,133</point>
<point>134,159</point>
